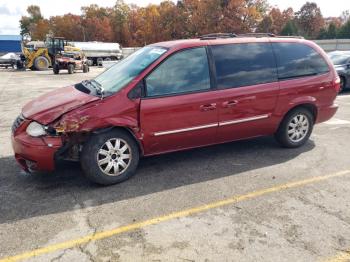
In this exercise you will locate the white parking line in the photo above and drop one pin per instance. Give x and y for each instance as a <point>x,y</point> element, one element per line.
<point>336,121</point>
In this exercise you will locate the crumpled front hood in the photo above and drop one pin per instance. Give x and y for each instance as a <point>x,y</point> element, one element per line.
<point>48,107</point>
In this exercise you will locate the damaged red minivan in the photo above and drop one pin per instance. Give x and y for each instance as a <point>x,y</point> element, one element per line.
<point>178,95</point>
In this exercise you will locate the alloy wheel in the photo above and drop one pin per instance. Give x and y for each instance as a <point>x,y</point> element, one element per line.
<point>298,128</point>
<point>114,157</point>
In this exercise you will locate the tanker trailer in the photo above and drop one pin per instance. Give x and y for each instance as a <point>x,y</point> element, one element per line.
<point>96,52</point>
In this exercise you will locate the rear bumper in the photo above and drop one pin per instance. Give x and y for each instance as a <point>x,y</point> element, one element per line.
<point>326,113</point>
<point>35,154</point>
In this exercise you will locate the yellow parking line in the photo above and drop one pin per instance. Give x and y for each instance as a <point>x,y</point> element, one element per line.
<point>341,257</point>
<point>157,220</point>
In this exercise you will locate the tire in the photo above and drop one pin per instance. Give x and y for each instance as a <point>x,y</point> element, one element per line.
<point>293,137</point>
<point>19,65</point>
<point>70,69</point>
<point>342,84</point>
<point>96,149</point>
<point>90,62</point>
<point>41,63</point>
<point>99,61</point>
<point>56,69</point>
<point>85,68</point>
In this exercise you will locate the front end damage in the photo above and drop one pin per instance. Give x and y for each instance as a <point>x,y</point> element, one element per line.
<point>67,130</point>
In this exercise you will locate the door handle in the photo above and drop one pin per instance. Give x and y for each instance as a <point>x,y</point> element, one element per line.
<point>208,107</point>
<point>229,104</point>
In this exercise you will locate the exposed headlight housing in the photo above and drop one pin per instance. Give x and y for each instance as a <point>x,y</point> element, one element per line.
<point>35,129</point>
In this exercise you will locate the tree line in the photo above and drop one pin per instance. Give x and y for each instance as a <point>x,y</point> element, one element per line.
<point>132,25</point>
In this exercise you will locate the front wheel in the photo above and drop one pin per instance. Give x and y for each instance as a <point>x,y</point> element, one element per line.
<point>85,68</point>
<point>109,158</point>
<point>295,128</point>
<point>56,69</point>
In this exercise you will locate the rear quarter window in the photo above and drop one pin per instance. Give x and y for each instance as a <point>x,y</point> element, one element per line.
<point>298,60</point>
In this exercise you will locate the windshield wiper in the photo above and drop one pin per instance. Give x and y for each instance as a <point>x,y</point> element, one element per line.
<point>95,85</point>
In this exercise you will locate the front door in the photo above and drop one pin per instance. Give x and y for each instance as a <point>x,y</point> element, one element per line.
<point>178,110</point>
<point>247,89</point>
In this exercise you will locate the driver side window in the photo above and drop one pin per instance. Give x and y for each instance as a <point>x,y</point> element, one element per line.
<point>185,71</point>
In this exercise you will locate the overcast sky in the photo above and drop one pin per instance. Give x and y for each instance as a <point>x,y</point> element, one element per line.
<point>12,10</point>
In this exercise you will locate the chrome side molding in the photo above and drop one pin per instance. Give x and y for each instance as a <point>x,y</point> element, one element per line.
<point>242,120</point>
<point>184,130</point>
<point>225,123</point>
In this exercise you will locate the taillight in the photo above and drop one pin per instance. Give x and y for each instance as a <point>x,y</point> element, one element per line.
<point>336,83</point>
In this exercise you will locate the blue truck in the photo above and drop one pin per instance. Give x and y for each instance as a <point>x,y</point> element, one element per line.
<point>10,50</point>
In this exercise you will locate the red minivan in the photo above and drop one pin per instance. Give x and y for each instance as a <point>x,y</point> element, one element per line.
<point>178,95</point>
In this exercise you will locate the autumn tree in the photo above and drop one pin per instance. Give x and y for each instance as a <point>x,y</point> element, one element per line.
<point>96,24</point>
<point>310,20</point>
<point>34,24</point>
<point>119,22</point>
<point>68,26</point>
<point>275,21</point>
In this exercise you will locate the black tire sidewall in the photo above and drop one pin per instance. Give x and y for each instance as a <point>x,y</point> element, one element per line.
<point>89,160</point>
<point>282,133</point>
<point>342,84</point>
<point>56,69</point>
<point>70,69</point>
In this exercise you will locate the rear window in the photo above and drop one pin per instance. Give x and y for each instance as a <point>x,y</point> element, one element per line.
<point>298,60</point>
<point>244,64</point>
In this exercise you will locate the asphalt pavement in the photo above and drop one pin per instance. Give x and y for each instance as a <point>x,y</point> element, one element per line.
<point>243,201</point>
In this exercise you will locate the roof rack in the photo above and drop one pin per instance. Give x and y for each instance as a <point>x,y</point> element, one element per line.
<point>290,36</point>
<point>232,35</point>
<point>217,35</point>
<point>257,35</point>
<point>268,35</point>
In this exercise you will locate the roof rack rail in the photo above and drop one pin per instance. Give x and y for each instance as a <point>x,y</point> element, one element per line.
<point>257,35</point>
<point>268,35</point>
<point>290,36</point>
<point>217,35</point>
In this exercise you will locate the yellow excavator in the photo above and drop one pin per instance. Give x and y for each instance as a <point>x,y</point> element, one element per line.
<point>42,57</point>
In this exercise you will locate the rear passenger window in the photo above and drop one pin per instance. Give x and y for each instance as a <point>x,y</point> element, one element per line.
<point>298,60</point>
<point>183,72</point>
<point>244,64</point>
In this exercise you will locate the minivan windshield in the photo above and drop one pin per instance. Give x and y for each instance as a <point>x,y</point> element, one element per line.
<point>122,73</point>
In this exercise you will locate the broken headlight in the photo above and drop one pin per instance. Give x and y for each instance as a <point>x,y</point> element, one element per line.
<point>35,129</point>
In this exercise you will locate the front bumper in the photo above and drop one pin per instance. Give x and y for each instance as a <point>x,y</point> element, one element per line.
<point>35,153</point>
<point>326,113</point>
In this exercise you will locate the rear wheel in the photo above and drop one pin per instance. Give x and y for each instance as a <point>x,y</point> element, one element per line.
<point>295,128</point>
<point>41,63</point>
<point>342,84</point>
<point>70,69</point>
<point>110,157</point>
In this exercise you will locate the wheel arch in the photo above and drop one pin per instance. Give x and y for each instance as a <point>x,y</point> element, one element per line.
<point>312,108</point>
